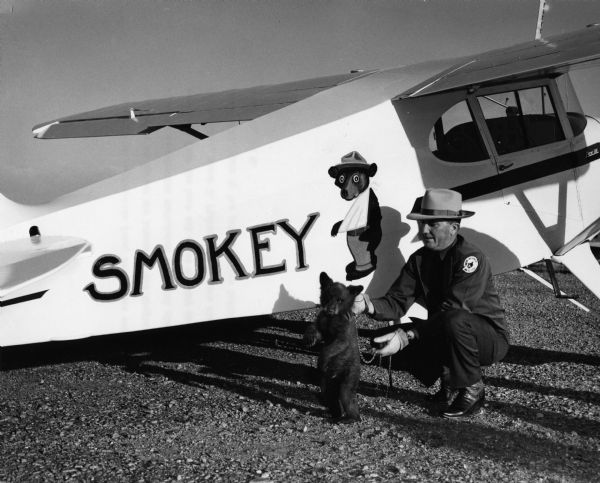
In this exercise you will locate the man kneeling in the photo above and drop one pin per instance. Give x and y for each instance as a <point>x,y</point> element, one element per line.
<point>465,328</point>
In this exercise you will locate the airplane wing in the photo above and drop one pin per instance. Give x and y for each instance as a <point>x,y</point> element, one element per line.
<point>542,57</point>
<point>144,117</point>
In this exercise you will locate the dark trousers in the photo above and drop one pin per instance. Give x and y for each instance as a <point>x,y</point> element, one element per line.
<point>455,340</point>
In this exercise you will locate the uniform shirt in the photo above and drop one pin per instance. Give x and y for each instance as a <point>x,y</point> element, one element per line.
<point>459,277</point>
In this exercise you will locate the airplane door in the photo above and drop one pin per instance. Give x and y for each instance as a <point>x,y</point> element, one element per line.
<point>527,132</point>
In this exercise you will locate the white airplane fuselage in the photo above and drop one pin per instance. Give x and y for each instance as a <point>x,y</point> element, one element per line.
<point>240,224</point>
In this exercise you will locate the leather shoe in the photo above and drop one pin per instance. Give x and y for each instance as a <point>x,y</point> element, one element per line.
<point>468,401</point>
<point>445,393</point>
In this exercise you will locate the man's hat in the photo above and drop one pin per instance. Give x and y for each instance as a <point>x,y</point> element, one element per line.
<point>439,204</point>
<point>353,160</point>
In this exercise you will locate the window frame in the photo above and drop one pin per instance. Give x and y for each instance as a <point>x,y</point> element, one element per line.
<point>488,154</point>
<point>480,120</point>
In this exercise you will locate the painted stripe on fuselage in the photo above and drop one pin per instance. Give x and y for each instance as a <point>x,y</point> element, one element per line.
<point>24,298</point>
<point>530,172</point>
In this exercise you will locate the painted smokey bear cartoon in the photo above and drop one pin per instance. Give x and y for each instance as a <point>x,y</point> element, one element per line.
<point>362,223</point>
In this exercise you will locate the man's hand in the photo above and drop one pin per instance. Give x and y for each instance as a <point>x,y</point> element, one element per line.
<point>391,342</point>
<point>360,305</point>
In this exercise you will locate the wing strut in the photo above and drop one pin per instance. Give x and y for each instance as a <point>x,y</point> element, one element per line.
<point>188,129</point>
<point>558,293</point>
<point>581,262</point>
<point>544,282</point>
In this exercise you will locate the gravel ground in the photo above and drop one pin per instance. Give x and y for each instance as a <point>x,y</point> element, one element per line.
<point>237,402</point>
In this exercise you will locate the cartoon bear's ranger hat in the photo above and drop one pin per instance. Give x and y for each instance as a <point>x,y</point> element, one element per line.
<point>439,204</point>
<point>353,160</point>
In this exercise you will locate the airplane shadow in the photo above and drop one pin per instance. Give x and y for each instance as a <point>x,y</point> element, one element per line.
<point>195,356</point>
<point>587,396</point>
<point>527,356</point>
<point>283,383</point>
<point>112,348</point>
<point>503,445</point>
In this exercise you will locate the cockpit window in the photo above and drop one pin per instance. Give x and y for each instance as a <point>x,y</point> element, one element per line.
<point>455,136</point>
<point>521,119</point>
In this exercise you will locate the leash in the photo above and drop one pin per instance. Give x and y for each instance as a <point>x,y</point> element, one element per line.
<point>364,360</point>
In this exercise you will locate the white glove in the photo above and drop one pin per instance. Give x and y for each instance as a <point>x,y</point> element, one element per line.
<point>394,342</point>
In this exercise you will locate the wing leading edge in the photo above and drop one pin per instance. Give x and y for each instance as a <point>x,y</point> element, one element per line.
<point>537,58</point>
<point>144,117</point>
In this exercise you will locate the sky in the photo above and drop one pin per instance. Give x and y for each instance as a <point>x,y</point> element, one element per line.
<point>61,57</point>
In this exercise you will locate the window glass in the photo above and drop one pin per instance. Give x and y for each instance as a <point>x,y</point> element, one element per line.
<point>521,119</point>
<point>455,136</point>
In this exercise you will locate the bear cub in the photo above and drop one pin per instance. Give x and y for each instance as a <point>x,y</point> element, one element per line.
<point>339,358</point>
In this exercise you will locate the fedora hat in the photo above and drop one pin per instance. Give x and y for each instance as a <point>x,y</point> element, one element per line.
<point>439,204</point>
<point>353,160</point>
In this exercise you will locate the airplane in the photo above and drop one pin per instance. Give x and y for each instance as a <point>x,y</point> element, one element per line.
<point>241,223</point>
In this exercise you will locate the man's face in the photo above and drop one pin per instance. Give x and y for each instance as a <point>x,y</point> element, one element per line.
<point>437,235</point>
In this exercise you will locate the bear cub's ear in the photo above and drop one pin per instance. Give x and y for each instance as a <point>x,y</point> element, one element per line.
<point>325,280</point>
<point>372,169</point>
<point>355,289</point>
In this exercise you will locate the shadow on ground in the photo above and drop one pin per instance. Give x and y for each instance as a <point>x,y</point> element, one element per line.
<point>279,368</point>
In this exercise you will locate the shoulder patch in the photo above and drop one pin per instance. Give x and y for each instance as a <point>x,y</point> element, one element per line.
<point>470,264</point>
